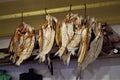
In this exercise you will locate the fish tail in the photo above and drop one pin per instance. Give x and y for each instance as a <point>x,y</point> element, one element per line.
<point>66,58</point>
<point>20,60</point>
<point>79,72</point>
<point>40,57</point>
<point>60,52</point>
<point>13,58</point>
<point>37,57</point>
<point>72,50</point>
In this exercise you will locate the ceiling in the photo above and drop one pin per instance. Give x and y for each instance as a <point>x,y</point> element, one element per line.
<point>109,13</point>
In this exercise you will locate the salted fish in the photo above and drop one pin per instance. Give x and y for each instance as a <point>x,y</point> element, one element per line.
<point>73,44</point>
<point>67,33</point>
<point>95,48</point>
<point>84,45</point>
<point>22,43</point>
<point>64,40</point>
<point>46,37</point>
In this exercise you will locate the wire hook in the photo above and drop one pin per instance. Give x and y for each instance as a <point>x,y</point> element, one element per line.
<point>21,17</point>
<point>70,7</point>
<point>46,11</point>
<point>85,13</point>
<point>70,11</point>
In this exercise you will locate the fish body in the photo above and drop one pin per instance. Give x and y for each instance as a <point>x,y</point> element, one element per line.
<point>95,48</point>
<point>64,40</point>
<point>46,37</point>
<point>84,45</point>
<point>22,43</point>
<point>67,33</point>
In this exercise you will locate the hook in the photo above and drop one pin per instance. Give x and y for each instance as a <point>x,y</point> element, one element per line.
<point>21,17</point>
<point>46,11</point>
<point>85,13</point>
<point>70,7</point>
<point>70,11</point>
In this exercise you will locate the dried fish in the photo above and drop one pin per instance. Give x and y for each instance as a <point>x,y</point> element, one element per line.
<point>22,43</point>
<point>67,33</point>
<point>46,37</point>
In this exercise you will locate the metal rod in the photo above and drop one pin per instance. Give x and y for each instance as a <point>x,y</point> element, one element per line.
<point>61,9</point>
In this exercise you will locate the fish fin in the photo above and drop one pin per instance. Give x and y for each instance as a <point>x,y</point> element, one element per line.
<point>72,50</point>
<point>68,58</point>
<point>79,72</point>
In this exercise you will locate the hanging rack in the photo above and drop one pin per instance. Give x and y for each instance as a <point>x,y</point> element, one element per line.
<point>61,9</point>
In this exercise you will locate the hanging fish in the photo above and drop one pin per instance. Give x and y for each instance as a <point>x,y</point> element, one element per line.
<point>46,37</point>
<point>94,48</point>
<point>74,43</point>
<point>67,33</point>
<point>83,49</point>
<point>22,43</point>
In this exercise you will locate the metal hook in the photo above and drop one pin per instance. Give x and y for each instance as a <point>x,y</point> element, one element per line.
<point>21,17</point>
<point>70,7</point>
<point>46,11</point>
<point>85,13</point>
<point>70,11</point>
